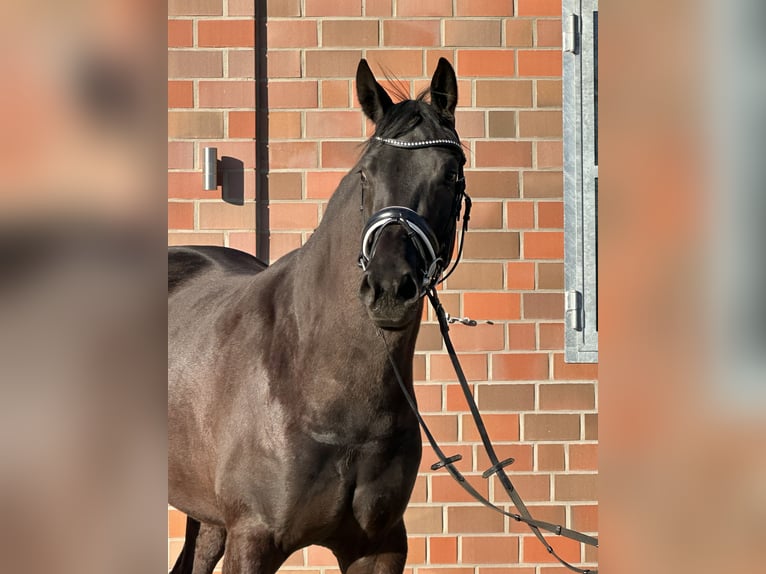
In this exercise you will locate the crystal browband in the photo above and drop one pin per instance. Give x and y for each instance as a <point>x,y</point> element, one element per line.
<point>418,144</point>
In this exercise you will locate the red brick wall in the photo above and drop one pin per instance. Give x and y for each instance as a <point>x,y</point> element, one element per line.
<point>507,55</point>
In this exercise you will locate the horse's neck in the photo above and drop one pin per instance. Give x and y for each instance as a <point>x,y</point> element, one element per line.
<point>329,257</point>
<point>327,290</point>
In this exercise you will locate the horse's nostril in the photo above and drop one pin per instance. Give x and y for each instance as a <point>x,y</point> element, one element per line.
<point>367,290</point>
<point>374,288</point>
<point>407,289</point>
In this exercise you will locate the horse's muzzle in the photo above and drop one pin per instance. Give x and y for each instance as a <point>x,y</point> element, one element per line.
<point>401,262</point>
<point>391,297</point>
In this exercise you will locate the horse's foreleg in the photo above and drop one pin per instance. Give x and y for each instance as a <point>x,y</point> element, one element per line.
<point>203,548</point>
<point>251,550</point>
<point>387,556</point>
<point>210,545</point>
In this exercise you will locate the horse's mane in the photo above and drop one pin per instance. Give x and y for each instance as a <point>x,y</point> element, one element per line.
<point>406,115</point>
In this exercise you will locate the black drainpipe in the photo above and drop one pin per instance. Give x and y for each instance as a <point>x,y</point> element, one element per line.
<point>262,250</point>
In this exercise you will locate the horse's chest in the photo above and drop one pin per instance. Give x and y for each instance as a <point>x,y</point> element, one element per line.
<point>380,497</point>
<point>352,491</point>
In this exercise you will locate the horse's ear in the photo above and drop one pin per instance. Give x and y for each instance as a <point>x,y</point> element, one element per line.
<point>444,90</point>
<point>372,97</point>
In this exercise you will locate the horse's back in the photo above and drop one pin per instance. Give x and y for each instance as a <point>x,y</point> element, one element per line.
<point>186,263</point>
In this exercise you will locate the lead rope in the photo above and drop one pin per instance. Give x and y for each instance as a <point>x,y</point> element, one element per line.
<point>498,467</point>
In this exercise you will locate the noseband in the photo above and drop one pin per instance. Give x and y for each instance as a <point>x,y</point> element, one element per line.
<point>418,231</point>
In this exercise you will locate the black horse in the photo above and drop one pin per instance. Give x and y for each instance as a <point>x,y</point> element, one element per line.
<point>286,423</point>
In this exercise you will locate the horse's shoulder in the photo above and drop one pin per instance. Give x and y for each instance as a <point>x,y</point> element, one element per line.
<point>188,262</point>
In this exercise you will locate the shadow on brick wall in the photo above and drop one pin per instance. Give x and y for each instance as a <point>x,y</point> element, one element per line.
<point>233,180</point>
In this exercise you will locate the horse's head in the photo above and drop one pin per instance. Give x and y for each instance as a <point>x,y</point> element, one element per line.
<point>412,188</point>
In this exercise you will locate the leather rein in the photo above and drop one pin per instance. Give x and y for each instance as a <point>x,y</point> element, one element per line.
<point>427,245</point>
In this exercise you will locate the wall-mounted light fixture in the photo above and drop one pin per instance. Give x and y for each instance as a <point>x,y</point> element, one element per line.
<point>211,169</point>
<point>228,173</point>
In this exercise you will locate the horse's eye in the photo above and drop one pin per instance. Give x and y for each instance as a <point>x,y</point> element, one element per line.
<point>452,177</point>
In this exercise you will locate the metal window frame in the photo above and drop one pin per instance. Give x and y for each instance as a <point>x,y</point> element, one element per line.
<point>580,74</point>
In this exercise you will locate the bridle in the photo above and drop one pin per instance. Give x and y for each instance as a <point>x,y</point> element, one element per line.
<point>433,255</point>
